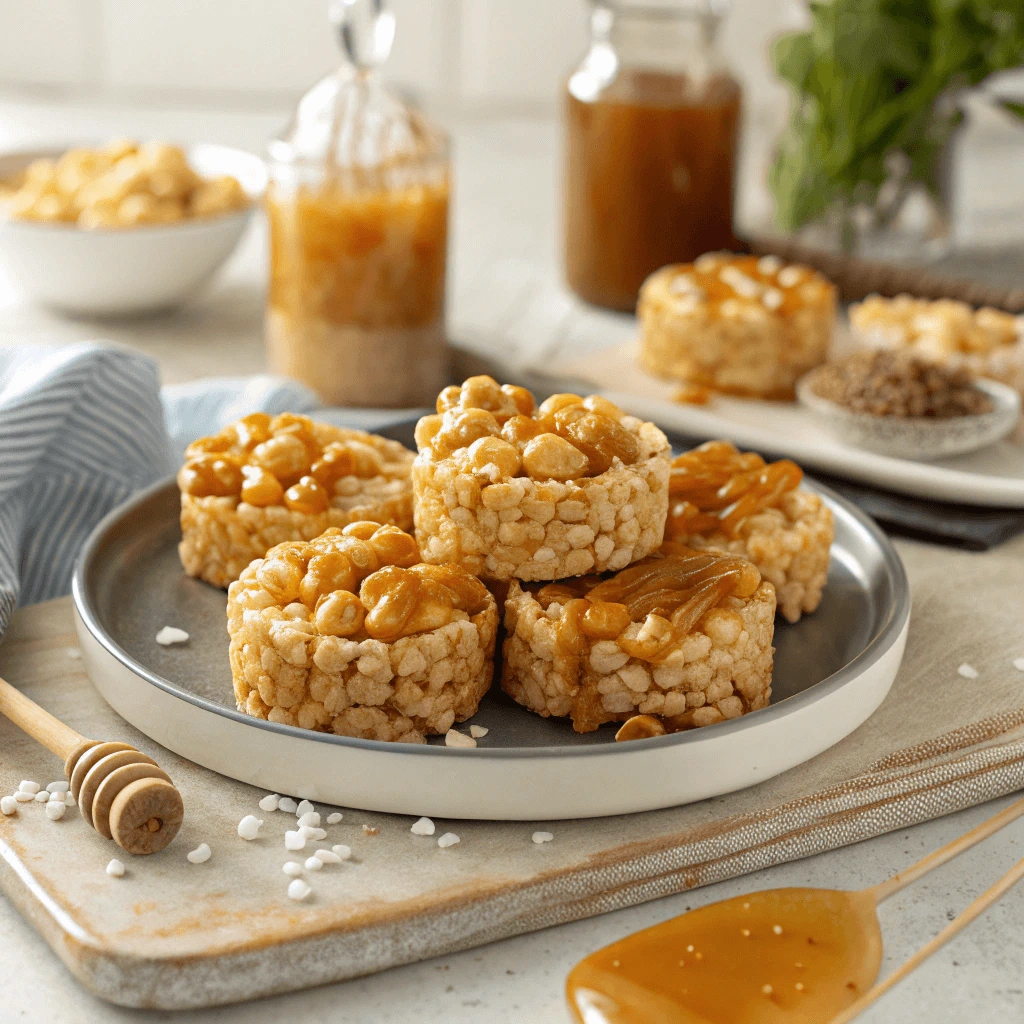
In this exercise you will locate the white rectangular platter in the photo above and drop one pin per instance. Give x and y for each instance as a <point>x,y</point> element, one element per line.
<point>993,476</point>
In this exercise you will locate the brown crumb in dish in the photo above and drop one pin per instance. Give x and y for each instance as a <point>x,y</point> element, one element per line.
<point>884,383</point>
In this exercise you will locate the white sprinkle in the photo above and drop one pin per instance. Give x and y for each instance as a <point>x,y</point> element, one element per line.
<point>311,832</point>
<point>292,867</point>
<point>27,786</point>
<point>270,802</point>
<point>422,827</point>
<point>327,857</point>
<point>968,671</point>
<point>333,819</point>
<point>200,855</point>
<point>41,797</point>
<point>789,277</point>
<point>171,635</point>
<point>115,868</point>
<point>69,800</point>
<point>24,798</point>
<point>294,841</point>
<point>454,738</point>
<point>772,298</point>
<point>448,839</point>
<point>766,989</point>
<point>55,810</point>
<point>312,864</point>
<point>303,807</point>
<point>478,732</point>
<point>769,265</point>
<point>739,282</point>
<point>542,837</point>
<point>309,818</point>
<point>777,928</point>
<point>8,805</point>
<point>343,851</point>
<point>286,803</point>
<point>74,654</point>
<point>1018,664</point>
<point>58,787</point>
<point>298,890</point>
<point>249,827</point>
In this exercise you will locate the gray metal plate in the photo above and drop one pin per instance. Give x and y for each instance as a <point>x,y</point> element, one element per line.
<point>129,584</point>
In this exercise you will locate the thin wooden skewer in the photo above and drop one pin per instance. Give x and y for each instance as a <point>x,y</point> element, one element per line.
<point>120,791</point>
<point>946,853</point>
<point>961,921</point>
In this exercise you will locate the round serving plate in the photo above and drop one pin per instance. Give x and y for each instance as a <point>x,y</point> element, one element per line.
<point>832,670</point>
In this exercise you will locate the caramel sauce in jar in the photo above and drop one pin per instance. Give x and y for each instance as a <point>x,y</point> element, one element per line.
<point>355,307</point>
<point>650,168</point>
<point>783,956</point>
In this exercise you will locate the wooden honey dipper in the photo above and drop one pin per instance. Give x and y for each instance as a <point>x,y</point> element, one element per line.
<point>124,794</point>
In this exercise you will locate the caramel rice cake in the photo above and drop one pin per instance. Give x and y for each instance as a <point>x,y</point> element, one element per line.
<point>740,325</point>
<point>269,479</point>
<point>511,491</point>
<point>735,502</point>
<point>682,635</point>
<point>985,342</point>
<point>351,633</point>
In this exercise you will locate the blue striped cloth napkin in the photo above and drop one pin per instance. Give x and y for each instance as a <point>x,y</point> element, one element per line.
<point>84,427</point>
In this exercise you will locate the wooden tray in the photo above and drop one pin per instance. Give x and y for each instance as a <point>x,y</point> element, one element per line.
<point>173,935</point>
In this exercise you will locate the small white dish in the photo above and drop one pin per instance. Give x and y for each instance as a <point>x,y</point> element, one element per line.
<point>915,437</point>
<point>126,271</point>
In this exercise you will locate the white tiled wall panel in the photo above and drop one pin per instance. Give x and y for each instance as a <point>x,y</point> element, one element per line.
<point>519,50</point>
<point>482,54</point>
<point>45,42</point>
<point>273,46</point>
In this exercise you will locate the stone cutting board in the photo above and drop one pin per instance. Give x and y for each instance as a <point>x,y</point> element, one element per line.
<point>172,935</point>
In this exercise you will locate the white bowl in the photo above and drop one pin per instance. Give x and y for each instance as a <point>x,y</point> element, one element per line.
<point>115,272</point>
<point>916,437</point>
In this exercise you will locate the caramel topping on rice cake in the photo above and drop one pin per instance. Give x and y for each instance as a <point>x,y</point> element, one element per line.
<point>684,635</point>
<point>264,480</point>
<point>732,501</point>
<point>352,633</point>
<point>509,490</point>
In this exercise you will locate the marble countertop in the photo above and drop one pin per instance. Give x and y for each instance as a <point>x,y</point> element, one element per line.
<point>508,244</point>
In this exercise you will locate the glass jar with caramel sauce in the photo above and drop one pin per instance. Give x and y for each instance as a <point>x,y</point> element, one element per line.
<point>652,119</point>
<point>358,212</point>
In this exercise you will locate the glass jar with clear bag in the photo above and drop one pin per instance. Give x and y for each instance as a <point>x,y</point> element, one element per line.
<point>652,123</point>
<point>358,212</point>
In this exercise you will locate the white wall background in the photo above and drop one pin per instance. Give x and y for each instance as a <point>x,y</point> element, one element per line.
<point>463,56</point>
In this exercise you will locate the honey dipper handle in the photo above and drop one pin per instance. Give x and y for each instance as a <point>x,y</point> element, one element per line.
<point>39,724</point>
<point>961,921</point>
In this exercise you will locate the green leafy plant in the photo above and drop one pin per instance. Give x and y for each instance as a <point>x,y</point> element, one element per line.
<point>878,79</point>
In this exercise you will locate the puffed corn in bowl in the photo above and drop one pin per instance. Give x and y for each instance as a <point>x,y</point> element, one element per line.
<point>124,253</point>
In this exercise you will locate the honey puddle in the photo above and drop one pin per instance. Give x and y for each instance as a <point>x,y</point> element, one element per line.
<point>797,956</point>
